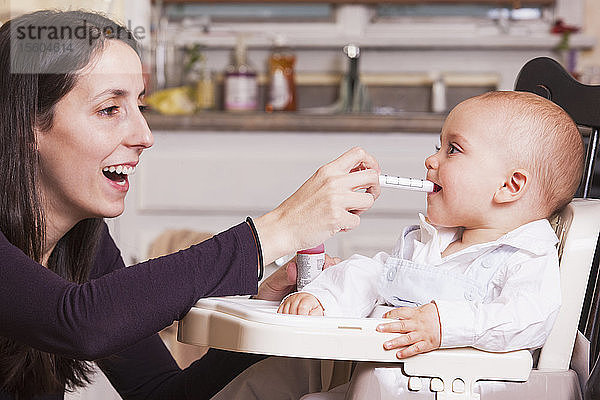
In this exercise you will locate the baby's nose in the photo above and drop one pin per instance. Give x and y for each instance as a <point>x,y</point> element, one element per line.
<point>431,162</point>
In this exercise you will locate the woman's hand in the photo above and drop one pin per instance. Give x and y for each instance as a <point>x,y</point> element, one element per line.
<point>328,202</point>
<point>283,281</point>
<point>301,304</point>
<point>419,328</point>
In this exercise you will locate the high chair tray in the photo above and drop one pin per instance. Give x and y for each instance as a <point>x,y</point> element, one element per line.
<point>253,326</point>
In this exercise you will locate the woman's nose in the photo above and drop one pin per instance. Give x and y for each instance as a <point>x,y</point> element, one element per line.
<point>140,134</point>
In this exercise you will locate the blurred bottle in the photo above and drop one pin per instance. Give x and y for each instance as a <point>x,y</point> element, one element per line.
<point>205,90</point>
<point>240,86</point>
<point>438,93</point>
<point>282,83</point>
<point>199,78</point>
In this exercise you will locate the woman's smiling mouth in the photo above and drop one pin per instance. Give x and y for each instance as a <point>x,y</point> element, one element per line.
<point>118,173</point>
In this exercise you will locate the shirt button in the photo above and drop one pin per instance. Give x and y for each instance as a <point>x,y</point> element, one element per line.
<point>391,274</point>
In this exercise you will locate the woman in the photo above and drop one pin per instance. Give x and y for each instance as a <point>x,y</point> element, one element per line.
<point>71,110</point>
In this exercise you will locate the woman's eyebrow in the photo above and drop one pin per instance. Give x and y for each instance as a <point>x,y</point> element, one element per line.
<point>113,92</point>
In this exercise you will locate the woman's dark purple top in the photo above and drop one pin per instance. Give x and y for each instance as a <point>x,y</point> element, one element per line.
<point>114,317</point>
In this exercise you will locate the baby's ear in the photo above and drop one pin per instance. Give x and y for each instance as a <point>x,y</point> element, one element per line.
<point>514,187</point>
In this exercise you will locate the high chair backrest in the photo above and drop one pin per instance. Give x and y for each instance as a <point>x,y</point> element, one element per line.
<point>579,265</point>
<point>577,228</point>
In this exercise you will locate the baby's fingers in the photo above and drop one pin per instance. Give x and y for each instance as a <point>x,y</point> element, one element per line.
<point>416,348</point>
<point>400,326</point>
<point>402,341</point>
<point>309,306</point>
<point>284,308</point>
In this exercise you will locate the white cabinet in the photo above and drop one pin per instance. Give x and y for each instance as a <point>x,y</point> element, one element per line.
<point>209,181</point>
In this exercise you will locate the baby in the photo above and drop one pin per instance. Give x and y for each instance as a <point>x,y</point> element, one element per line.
<point>481,269</point>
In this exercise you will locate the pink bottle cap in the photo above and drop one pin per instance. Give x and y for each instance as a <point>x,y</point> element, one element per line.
<point>315,250</point>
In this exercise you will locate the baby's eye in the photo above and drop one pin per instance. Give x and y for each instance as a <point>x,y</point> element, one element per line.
<point>452,148</point>
<point>109,111</point>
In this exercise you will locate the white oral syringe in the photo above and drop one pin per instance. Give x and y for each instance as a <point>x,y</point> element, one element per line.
<point>397,182</point>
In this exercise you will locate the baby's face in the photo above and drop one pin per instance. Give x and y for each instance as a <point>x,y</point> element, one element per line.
<point>468,168</point>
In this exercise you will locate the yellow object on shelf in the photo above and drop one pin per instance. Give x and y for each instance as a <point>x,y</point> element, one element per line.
<point>173,101</point>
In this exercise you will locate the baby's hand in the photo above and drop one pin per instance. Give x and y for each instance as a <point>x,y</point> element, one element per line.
<point>420,328</point>
<point>301,304</point>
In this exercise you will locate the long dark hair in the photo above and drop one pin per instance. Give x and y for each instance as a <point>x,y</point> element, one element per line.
<point>40,56</point>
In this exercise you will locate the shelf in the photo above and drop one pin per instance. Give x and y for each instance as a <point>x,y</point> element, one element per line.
<point>297,122</point>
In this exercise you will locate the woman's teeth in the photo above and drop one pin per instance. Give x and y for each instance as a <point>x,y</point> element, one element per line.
<point>120,169</point>
<point>118,173</point>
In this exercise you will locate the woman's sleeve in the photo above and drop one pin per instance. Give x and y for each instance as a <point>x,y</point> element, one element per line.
<point>121,307</point>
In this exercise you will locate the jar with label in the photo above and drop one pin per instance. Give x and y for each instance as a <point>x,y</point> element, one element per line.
<point>240,85</point>
<point>309,264</point>
<point>282,85</point>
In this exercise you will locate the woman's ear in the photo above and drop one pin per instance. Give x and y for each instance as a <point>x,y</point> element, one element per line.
<point>513,188</point>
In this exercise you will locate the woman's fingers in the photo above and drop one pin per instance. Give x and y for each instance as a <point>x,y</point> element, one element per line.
<point>291,270</point>
<point>330,261</point>
<point>279,284</point>
<point>358,202</point>
<point>366,179</point>
<point>354,158</point>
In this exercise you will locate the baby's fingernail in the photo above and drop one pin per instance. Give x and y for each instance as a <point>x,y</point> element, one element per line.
<point>387,345</point>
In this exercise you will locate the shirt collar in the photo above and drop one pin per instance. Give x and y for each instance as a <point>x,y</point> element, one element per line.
<point>535,237</point>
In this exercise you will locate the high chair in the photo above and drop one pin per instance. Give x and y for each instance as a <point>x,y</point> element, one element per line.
<point>246,325</point>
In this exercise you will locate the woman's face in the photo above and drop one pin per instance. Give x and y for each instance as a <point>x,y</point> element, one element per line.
<point>98,125</point>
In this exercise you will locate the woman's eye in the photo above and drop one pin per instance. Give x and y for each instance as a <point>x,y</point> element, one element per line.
<point>143,108</point>
<point>108,111</point>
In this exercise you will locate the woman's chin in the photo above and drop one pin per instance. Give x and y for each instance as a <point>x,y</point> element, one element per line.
<point>113,211</point>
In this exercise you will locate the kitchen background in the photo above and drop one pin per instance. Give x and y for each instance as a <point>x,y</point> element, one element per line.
<point>249,98</point>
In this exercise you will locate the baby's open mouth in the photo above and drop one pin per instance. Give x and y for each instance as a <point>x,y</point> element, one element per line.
<point>436,188</point>
<point>118,173</point>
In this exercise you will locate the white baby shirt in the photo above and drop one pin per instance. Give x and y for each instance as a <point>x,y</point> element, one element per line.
<point>520,285</point>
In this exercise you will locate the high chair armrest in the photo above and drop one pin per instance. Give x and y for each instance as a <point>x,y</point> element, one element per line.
<point>455,371</point>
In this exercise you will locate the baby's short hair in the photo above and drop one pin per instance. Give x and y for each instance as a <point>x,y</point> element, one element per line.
<point>545,140</point>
